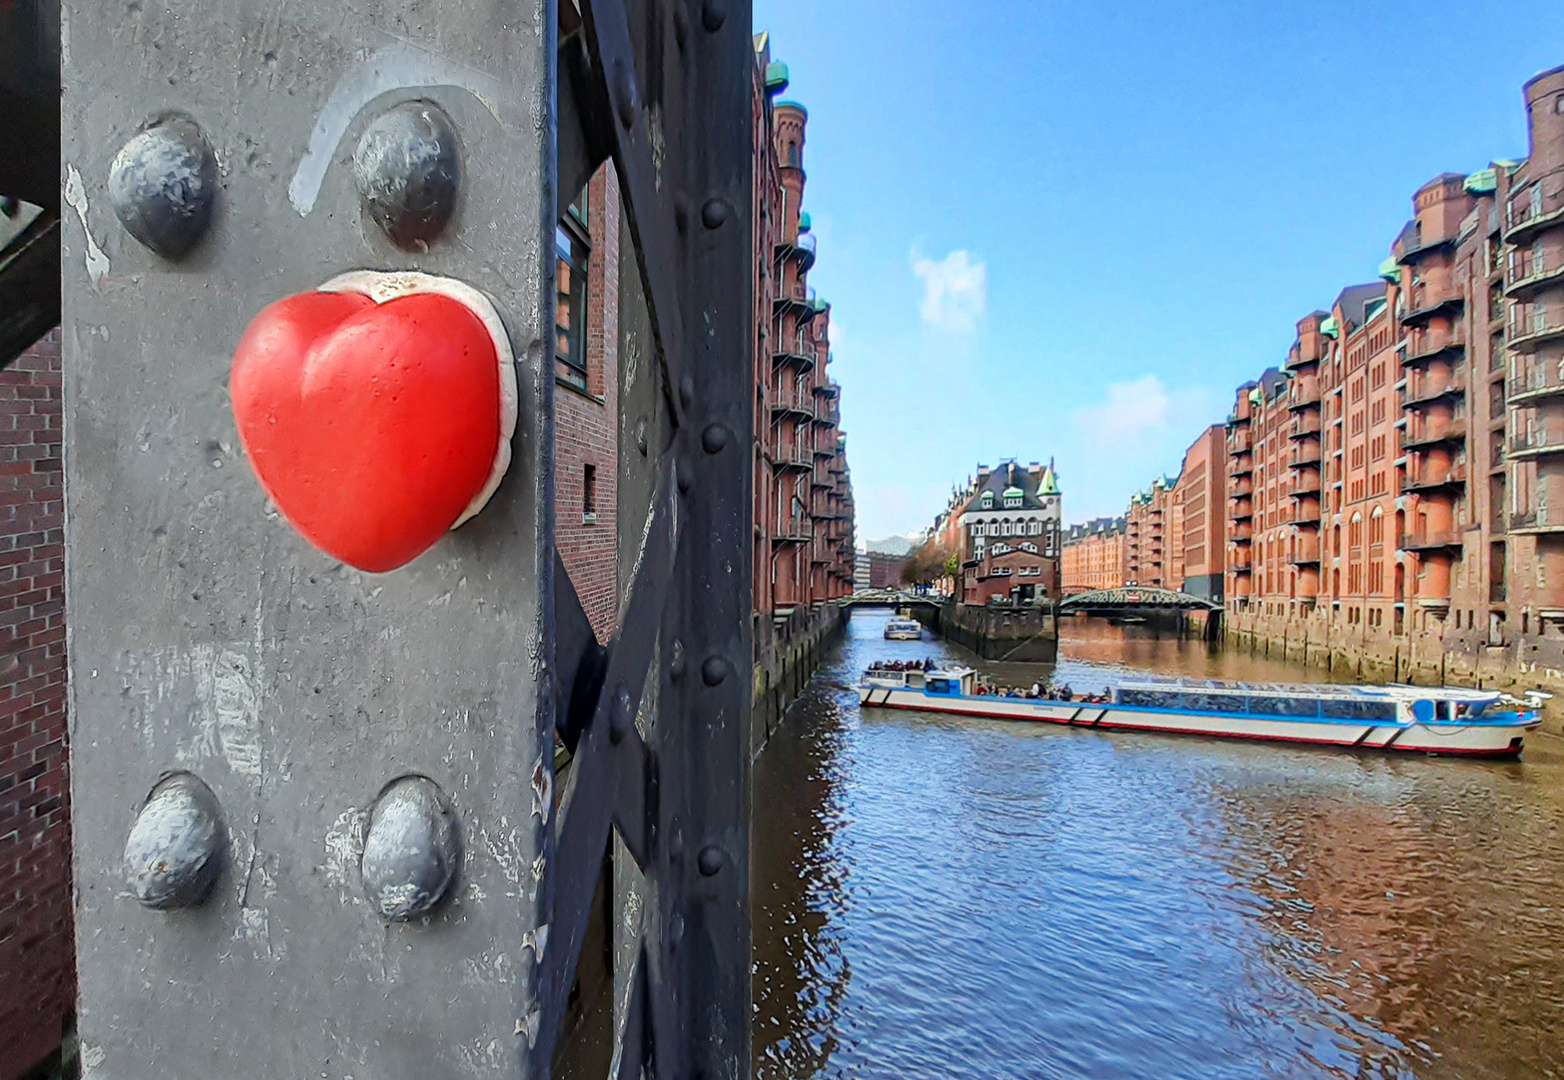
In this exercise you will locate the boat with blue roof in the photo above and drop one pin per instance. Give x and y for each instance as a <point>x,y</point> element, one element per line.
<point>1411,719</point>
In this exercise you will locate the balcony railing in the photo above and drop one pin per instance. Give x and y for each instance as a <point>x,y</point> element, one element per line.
<point>1239,442</point>
<point>1539,520</point>
<point>799,403</point>
<point>1430,539</point>
<point>1419,245</point>
<point>1424,345</point>
<point>1244,486</point>
<point>1305,483</point>
<point>795,529</point>
<point>1304,549</point>
<point>1425,388</point>
<point>1528,215</point>
<point>1534,384</point>
<point>1533,444</point>
<point>1242,465</point>
<point>1240,560</point>
<point>1304,426</point>
<point>1306,513</point>
<point>1427,434</point>
<point>1428,477</point>
<point>1304,395</point>
<point>1529,270</point>
<point>1429,300</point>
<point>1535,325</point>
<point>1304,453</point>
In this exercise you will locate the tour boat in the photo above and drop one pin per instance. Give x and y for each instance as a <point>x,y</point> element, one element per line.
<point>903,630</point>
<point>1417,719</point>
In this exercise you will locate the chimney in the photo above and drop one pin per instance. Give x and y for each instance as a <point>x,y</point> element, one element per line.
<point>1035,468</point>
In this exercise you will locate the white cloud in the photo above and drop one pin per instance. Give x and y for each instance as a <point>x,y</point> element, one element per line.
<point>955,290</point>
<point>1134,412</point>
<point>1138,430</point>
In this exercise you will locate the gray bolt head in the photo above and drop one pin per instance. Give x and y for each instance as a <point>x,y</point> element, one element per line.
<point>407,169</point>
<point>162,184</point>
<point>177,845</point>
<point>413,850</point>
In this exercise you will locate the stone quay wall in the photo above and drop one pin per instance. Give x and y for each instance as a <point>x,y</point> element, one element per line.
<point>1021,635</point>
<point>787,654</point>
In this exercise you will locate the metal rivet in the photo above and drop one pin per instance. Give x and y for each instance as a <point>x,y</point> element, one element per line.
<point>714,670</point>
<point>686,390</point>
<point>640,436</point>
<point>714,438</point>
<point>412,852</point>
<point>710,860</point>
<point>177,846</point>
<point>684,476</point>
<point>675,930</point>
<point>406,169</point>
<point>619,718</point>
<point>162,185</point>
<point>713,14</point>
<point>625,103</point>
<point>714,213</point>
<point>676,664</point>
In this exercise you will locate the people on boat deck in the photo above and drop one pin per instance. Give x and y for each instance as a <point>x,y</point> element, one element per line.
<point>903,665</point>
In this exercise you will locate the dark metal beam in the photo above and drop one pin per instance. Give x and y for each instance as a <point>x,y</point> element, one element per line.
<point>29,286</point>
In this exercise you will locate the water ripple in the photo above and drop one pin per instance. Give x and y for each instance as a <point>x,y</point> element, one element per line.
<point>941,898</point>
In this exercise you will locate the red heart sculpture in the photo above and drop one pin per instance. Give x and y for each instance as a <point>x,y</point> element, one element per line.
<point>376,411</point>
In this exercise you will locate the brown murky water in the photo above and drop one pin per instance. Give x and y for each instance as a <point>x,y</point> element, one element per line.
<point>941,898</point>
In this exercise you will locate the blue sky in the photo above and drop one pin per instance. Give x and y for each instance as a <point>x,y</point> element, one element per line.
<point>1070,230</point>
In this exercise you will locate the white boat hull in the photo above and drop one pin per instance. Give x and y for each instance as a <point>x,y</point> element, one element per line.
<point>1483,740</point>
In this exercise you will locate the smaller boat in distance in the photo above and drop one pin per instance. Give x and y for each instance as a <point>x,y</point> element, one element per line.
<point>1417,719</point>
<point>901,629</point>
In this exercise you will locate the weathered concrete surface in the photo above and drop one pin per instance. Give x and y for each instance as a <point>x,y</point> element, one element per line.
<point>1021,635</point>
<point>207,636</point>
<point>786,657</point>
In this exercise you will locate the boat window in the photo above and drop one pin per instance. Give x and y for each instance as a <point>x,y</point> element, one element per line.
<point>939,686</point>
<point>1358,709</point>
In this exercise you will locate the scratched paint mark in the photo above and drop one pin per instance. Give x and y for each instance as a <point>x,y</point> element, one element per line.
<point>344,846</point>
<point>76,197</point>
<point>536,940</point>
<point>542,791</point>
<point>400,66</point>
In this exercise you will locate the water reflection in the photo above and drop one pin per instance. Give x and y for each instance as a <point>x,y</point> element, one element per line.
<point>941,898</point>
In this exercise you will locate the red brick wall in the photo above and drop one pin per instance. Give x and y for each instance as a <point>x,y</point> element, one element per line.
<point>586,425</point>
<point>37,948</point>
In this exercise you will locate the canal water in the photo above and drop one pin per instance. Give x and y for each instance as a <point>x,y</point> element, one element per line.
<point>943,898</point>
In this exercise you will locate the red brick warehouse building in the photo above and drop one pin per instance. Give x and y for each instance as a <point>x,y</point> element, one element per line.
<point>37,948</point>
<point>803,505</point>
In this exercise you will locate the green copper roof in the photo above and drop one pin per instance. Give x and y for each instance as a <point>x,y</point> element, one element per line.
<point>793,105</point>
<point>1012,493</point>
<point>1330,327</point>
<point>1049,485</point>
<point>1390,270</point>
<point>804,222</point>
<point>818,304</point>
<point>1482,182</point>
<point>776,77</point>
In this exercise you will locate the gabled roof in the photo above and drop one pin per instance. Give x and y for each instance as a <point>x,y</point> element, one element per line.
<point>1354,300</point>
<point>1009,479</point>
